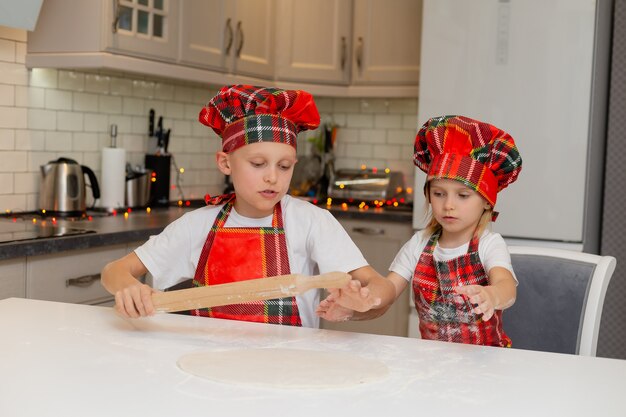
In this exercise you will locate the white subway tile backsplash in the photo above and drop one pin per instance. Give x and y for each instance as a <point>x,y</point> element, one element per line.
<point>411,122</point>
<point>181,127</point>
<point>7,50</point>
<point>85,102</point>
<point>143,88</point>
<point>139,125</point>
<point>71,121</point>
<point>133,106</point>
<point>33,97</point>
<point>82,141</point>
<point>163,91</point>
<point>30,140</point>
<point>400,136</point>
<point>57,99</point>
<point>58,141</point>
<point>387,151</point>
<point>387,121</point>
<point>347,105</point>
<point>121,86</point>
<point>20,52</point>
<point>124,123</point>
<point>406,106</point>
<point>174,110</point>
<point>14,74</point>
<point>96,83</point>
<point>360,120</point>
<point>37,159</point>
<point>133,143</point>
<point>6,183</point>
<point>44,77</point>
<point>71,80</point>
<point>7,139</point>
<point>372,136</point>
<point>12,117</point>
<point>13,161</point>
<point>184,94</point>
<point>26,182</point>
<point>42,119</point>
<point>374,105</point>
<point>7,95</point>
<point>13,202</point>
<point>110,104</point>
<point>359,151</point>
<point>95,122</point>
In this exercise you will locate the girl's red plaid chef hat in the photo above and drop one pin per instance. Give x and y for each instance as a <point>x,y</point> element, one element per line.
<point>245,114</point>
<point>477,154</point>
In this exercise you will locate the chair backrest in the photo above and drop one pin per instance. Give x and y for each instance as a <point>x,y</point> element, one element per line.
<point>559,299</point>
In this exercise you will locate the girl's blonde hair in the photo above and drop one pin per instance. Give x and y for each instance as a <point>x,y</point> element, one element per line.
<point>433,225</point>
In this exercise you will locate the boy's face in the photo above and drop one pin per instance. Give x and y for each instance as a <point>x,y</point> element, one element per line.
<point>456,207</point>
<point>261,174</point>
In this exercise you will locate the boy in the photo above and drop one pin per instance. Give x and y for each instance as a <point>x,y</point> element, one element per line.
<point>257,231</point>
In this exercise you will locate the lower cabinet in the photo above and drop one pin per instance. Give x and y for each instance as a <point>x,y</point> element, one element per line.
<point>13,278</point>
<point>379,242</point>
<point>73,276</point>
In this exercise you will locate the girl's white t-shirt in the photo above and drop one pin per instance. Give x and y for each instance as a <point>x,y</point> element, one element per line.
<point>316,244</point>
<point>492,250</point>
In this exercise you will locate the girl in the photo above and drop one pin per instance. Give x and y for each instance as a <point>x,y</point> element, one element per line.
<point>461,272</point>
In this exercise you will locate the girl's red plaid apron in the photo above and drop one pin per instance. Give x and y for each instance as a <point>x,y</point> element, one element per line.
<point>233,254</point>
<point>446,315</point>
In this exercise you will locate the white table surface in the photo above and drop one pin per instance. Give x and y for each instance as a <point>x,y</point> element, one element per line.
<point>77,360</point>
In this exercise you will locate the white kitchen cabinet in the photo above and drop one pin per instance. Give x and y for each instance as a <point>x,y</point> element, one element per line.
<point>386,42</point>
<point>361,42</point>
<point>379,242</point>
<point>72,276</point>
<point>314,40</point>
<point>235,36</point>
<point>13,278</point>
<point>143,28</point>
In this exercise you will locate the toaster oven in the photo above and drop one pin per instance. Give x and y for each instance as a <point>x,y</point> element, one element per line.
<point>366,185</point>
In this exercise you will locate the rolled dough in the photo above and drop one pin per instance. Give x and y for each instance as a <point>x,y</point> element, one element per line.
<point>284,368</point>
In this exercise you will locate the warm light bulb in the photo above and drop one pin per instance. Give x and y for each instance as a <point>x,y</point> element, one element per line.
<point>182,170</point>
<point>43,211</point>
<point>153,179</point>
<point>342,186</point>
<point>409,190</point>
<point>363,166</point>
<point>148,209</point>
<point>180,203</point>
<point>387,170</point>
<point>329,201</point>
<point>125,215</point>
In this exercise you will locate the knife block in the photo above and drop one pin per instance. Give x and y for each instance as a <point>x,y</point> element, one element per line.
<point>160,184</point>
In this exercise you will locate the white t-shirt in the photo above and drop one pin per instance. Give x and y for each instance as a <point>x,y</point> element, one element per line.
<point>316,244</point>
<point>491,248</point>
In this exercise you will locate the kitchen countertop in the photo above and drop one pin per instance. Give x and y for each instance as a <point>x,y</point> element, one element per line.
<point>139,226</point>
<point>85,360</point>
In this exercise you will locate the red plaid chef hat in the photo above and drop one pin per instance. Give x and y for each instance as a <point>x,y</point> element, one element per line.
<point>245,114</point>
<point>477,154</point>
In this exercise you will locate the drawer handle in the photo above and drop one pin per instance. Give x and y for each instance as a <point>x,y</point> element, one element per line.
<point>369,231</point>
<point>84,281</point>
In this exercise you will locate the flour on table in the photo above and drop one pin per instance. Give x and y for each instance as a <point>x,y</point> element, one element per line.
<point>284,368</point>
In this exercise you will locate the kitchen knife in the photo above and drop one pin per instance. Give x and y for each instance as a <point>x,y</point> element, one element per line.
<point>243,291</point>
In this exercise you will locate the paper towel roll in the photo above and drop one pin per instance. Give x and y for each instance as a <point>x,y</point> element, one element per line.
<point>113,178</point>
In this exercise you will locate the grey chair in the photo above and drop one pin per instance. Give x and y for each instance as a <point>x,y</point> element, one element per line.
<point>559,299</point>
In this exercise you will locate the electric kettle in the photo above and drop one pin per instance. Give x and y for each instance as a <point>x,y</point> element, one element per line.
<point>62,187</point>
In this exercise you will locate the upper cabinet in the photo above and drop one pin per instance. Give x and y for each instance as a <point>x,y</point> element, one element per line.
<point>386,42</point>
<point>145,28</point>
<point>357,48</point>
<point>359,42</point>
<point>313,40</point>
<point>235,36</point>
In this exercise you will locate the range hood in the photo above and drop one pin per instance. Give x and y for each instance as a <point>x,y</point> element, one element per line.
<point>21,14</point>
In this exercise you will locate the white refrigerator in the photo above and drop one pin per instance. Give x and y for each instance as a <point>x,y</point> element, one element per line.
<point>537,69</point>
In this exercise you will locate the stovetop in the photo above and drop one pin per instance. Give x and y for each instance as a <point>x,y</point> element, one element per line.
<point>31,225</point>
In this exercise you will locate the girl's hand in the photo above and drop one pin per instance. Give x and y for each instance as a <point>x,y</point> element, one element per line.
<point>329,310</point>
<point>481,297</point>
<point>135,301</point>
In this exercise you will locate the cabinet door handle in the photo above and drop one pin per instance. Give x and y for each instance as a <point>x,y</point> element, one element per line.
<point>359,53</point>
<point>369,231</point>
<point>116,15</point>
<point>229,32</point>
<point>344,47</point>
<point>240,35</point>
<point>84,281</point>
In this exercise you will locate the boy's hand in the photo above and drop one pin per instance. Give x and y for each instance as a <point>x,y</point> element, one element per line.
<point>135,301</point>
<point>481,297</point>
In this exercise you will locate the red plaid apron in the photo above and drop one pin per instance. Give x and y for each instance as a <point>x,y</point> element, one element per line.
<point>446,315</point>
<point>233,254</point>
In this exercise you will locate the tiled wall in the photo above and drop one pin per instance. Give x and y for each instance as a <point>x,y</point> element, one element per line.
<point>48,113</point>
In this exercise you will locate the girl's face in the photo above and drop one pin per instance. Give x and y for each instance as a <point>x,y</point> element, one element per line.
<point>261,173</point>
<point>457,208</point>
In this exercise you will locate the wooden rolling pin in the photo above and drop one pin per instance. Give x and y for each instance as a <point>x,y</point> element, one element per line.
<point>243,291</point>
